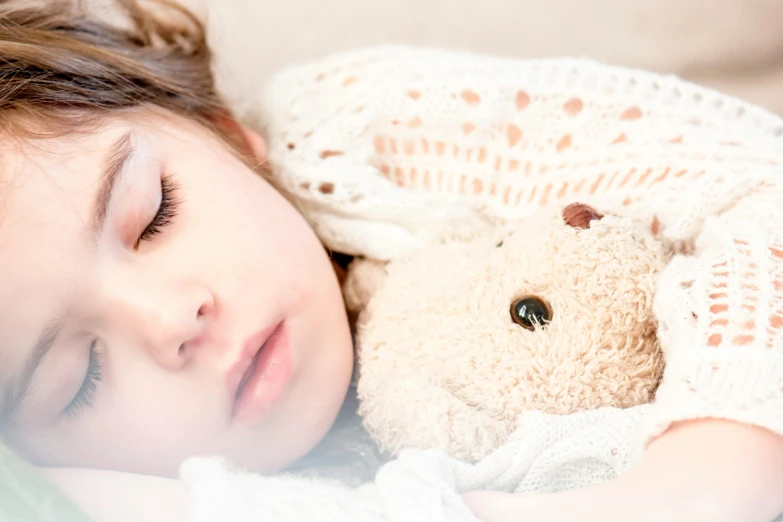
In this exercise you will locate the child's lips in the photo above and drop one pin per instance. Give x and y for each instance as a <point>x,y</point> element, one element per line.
<point>247,375</point>
<point>258,380</point>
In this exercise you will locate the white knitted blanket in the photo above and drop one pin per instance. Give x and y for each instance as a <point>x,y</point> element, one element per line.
<point>546,455</point>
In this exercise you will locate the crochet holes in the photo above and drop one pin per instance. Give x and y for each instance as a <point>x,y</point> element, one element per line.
<point>573,107</point>
<point>750,283</point>
<point>612,179</point>
<point>643,177</point>
<point>523,100</point>
<point>350,80</point>
<point>380,144</point>
<point>655,227</point>
<point>470,97</point>
<point>545,195</point>
<point>597,183</point>
<point>719,306</point>
<point>476,185</point>
<point>513,134</point>
<point>622,138</point>
<point>411,176</point>
<point>627,177</point>
<point>325,154</point>
<point>414,95</point>
<point>326,188</point>
<point>563,143</point>
<point>662,176</point>
<point>631,113</point>
<point>776,318</point>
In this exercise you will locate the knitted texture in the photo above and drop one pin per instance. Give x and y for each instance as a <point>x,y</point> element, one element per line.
<point>391,148</point>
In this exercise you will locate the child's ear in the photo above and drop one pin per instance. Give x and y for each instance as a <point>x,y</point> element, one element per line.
<point>249,140</point>
<point>255,143</point>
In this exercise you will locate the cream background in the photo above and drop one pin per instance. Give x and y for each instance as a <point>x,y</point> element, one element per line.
<point>733,45</point>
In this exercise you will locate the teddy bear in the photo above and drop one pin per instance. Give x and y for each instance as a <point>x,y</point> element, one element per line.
<point>456,340</point>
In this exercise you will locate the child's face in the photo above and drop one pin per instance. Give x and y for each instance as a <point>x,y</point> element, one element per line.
<point>136,330</point>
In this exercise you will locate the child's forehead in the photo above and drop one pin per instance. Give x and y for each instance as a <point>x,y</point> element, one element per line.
<point>65,162</point>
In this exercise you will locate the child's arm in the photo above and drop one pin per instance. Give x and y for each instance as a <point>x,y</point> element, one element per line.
<point>699,471</point>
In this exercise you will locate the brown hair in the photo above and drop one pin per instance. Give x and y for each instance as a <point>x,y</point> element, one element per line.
<point>64,68</point>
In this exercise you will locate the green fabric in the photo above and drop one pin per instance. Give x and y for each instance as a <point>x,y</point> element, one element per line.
<point>26,496</point>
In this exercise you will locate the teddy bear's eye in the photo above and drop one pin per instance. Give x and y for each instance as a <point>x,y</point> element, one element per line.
<point>531,311</point>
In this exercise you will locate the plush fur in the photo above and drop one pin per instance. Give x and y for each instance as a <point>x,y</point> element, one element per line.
<point>443,365</point>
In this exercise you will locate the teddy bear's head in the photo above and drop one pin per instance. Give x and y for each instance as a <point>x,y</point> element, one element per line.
<point>458,340</point>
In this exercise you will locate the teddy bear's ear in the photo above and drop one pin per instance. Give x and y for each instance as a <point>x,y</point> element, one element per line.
<point>362,280</point>
<point>579,215</point>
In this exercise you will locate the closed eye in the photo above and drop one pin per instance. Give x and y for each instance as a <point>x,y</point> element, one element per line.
<point>86,394</point>
<point>166,212</point>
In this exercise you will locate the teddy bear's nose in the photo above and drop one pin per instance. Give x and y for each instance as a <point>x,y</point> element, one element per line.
<point>579,215</point>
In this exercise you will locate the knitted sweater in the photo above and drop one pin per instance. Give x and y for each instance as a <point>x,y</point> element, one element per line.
<point>388,149</point>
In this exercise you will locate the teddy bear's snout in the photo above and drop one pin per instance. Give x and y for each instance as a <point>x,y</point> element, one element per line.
<point>579,215</point>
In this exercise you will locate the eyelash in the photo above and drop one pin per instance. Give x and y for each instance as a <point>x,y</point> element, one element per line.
<point>167,210</point>
<point>86,394</point>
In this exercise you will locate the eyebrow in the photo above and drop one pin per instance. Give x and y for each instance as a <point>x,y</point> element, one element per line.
<point>115,164</point>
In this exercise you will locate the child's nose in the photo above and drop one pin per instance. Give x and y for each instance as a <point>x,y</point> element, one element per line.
<point>173,327</point>
<point>182,331</point>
